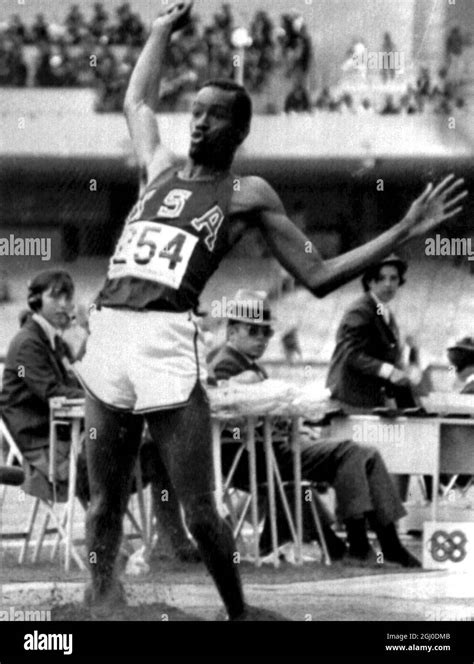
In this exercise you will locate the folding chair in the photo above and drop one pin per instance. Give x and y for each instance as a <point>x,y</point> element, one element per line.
<point>273,482</point>
<point>60,522</point>
<point>13,454</point>
<point>71,412</point>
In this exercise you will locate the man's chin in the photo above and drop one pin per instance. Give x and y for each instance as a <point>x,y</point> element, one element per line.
<point>198,155</point>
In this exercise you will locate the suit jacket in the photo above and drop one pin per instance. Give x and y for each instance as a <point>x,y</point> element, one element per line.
<point>34,373</point>
<point>364,341</point>
<point>229,362</point>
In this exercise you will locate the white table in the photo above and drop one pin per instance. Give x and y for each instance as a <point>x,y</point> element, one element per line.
<point>72,411</point>
<point>419,446</point>
<point>63,411</point>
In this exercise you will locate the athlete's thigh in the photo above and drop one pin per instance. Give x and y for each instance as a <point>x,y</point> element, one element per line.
<point>183,436</point>
<point>112,442</point>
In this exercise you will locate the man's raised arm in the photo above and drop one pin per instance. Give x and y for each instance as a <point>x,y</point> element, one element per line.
<point>300,257</point>
<point>141,100</point>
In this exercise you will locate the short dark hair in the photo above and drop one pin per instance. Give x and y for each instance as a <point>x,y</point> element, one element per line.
<point>242,106</point>
<point>60,280</point>
<point>373,274</point>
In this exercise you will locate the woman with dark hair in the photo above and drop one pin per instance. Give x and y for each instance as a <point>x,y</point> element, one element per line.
<point>37,367</point>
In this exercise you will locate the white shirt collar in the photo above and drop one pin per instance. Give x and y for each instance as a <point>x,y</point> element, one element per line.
<point>50,331</point>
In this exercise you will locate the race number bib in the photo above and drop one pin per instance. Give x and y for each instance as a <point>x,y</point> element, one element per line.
<point>154,252</point>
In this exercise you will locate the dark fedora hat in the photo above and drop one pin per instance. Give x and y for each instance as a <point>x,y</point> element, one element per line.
<point>373,270</point>
<point>249,306</point>
<point>461,354</point>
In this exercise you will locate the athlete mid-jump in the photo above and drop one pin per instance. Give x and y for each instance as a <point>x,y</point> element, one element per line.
<point>143,355</point>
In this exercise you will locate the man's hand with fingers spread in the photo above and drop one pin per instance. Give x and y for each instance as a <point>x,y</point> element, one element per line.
<point>176,16</point>
<point>434,206</point>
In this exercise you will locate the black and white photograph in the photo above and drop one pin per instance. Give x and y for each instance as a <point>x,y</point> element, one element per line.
<point>236,327</point>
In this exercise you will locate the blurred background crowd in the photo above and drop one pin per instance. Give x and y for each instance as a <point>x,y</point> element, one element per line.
<point>99,49</point>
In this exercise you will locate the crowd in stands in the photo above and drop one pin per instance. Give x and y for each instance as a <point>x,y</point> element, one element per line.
<point>100,51</point>
<point>428,94</point>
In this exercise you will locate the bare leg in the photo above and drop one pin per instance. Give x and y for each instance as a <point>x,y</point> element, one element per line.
<point>183,437</point>
<point>112,443</point>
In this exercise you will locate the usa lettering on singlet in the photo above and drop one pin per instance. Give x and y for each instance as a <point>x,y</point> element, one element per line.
<point>172,242</point>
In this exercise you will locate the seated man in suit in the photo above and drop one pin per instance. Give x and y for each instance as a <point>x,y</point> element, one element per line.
<point>366,368</point>
<point>461,357</point>
<point>38,367</point>
<point>363,487</point>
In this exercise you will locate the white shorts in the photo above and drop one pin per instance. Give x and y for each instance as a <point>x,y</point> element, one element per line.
<point>142,361</point>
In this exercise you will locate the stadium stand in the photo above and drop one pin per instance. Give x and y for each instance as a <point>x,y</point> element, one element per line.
<point>98,49</point>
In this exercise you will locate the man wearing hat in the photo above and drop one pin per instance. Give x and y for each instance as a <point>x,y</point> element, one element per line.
<point>357,473</point>
<point>248,333</point>
<point>461,357</point>
<point>249,328</point>
<point>366,366</point>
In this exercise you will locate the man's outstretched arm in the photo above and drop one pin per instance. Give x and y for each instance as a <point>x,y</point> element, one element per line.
<point>301,258</point>
<point>141,100</point>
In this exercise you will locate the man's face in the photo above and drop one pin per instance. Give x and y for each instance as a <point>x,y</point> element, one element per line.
<point>213,135</point>
<point>251,340</point>
<point>386,286</point>
<point>56,308</point>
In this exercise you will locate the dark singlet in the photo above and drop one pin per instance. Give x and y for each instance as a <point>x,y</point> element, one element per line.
<point>173,241</point>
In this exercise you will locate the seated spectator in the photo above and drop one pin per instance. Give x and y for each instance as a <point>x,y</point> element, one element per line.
<point>363,487</point>
<point>297,49</point>
<point>389,107</point>
<point>112,85</point>
<point>13,70</point>
<point>388,47</point>
<point>130,29</point>
<point>297,100</point>
<point>17,29</point>
<point>408,103</point>
<point>260,58</point>
<point>347,103</point>
<point>99,23</point>
<point>366,106</point>
<point>75,24</point>
<point>40,30</point>
<point>224,21</point>
<point>37,368</point>
<point>423,82</point>
<point>44,75</point>
<point>461,356</point>
<point>323,100</point>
